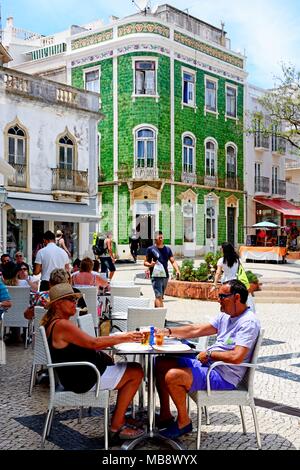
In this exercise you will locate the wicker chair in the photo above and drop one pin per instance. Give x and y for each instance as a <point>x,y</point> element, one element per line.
<point>39,356</point>
<point>120,309</point>
<point>86,324</point>
<point>59,398</point>
<point>90,297</point>
<point>242,396</point>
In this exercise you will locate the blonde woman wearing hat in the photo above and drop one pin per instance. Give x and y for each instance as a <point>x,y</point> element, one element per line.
<point>68,343</point>
<point>60,241</point>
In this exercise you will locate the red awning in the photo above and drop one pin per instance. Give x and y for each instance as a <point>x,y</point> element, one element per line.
<point>281,205</point>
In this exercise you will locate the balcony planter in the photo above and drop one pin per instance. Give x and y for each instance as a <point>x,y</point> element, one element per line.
<point>191,290</point>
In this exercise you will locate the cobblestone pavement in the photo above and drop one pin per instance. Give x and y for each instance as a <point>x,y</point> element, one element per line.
<point>277,387</point>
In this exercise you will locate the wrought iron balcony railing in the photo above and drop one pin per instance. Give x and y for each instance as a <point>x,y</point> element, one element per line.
<point>20,177</point>
<point>262,184</point>
<point>189,178</point>
<point>261,140</point>
<point>279,187</point>
<point>69,180</point>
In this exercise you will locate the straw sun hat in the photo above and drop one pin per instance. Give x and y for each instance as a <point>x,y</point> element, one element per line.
<point>61,291</point>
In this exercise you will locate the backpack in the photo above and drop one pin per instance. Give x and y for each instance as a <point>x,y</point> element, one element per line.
<point>99,247</point>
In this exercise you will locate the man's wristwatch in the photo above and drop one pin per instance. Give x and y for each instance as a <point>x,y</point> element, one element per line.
<point>208,354</point>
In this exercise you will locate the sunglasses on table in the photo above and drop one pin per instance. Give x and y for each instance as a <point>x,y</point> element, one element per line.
<point>225,296</point>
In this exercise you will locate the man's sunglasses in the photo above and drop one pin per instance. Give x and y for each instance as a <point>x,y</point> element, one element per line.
<point>225,296</point>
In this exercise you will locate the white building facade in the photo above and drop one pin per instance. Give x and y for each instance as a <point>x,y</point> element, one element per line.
<point>49,136</point>
<point>271,193</point>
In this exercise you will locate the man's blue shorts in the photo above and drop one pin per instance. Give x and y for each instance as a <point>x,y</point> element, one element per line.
<point>199,372</point>
<point>159,285</point>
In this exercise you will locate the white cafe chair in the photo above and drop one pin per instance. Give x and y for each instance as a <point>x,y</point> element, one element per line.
<point>62,398</point>
<point>90,297</point>
<point>14,316</point>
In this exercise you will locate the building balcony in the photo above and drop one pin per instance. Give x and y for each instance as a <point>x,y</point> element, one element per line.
<point>189,178</point>
<point>261,142</point>
<point>231,182</point>
<point>20,178</point>
<point>279,145</point>
<point>68,182</point>
<point>279,188</point>
<point>145,173</point>
<point>262,185</point>
<point>126,172</point>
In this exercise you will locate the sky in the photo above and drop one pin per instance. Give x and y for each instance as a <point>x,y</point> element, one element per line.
<point>267,31</point>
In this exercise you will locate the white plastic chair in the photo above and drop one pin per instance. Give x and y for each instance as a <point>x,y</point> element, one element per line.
<point>86,324</point>
<point>90,297</point>
<point>120,310</point>
<point>242,396</point>
<point>14,316</point>
<point>39,356</point>
<point>121,291</point>
<point>114,283</point>
<point>92,398</point>
<point>138,317</point>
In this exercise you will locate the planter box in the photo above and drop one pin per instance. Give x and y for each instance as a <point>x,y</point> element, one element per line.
<point>191,290</point>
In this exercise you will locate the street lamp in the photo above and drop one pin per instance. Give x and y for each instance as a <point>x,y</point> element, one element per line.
<point>3,200</point>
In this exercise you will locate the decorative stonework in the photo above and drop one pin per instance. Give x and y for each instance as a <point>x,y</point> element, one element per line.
<point>143,47</point>
<point>136,28</point>
<point>92,39</point>
<point>209,50</point>
<point>210,68</point>
<point>92,58</point>
<point>188,195</point>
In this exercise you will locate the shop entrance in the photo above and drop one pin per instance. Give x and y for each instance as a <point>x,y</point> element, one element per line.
<point>38,230</point>
<point>145,223</point>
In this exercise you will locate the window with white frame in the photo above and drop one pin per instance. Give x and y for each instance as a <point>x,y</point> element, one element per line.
<point>188,154</point>
<point>188,88</point>
<point>145,77</point>
<point>231,163</point>
<point>210,218</point>
<point>257,177</point>
<point>145,148</point>
<point>16,146</point>
<point>211,95</point>
<point>210,158</point>
<point>92,80</point>
<point>66,154</point>
<point>231,101</point>
<point>188,223</point>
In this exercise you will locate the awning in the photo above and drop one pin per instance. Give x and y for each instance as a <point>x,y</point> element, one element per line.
<point>58,211</point>
<point>281,205</point>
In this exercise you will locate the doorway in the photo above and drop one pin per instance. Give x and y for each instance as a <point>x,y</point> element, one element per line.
<point>145,227</point>
<point>231,225</point>
<point>37,237</point>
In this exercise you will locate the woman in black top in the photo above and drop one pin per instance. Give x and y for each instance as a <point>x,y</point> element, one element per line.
<point>68,343</point>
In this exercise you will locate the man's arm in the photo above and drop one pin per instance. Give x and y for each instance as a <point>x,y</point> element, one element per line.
<point>149,262</point>
<point>191,331</point>
<point>109,248</point>
<point>175,265</point>
<point>235,356</point>
<point>37,269</point>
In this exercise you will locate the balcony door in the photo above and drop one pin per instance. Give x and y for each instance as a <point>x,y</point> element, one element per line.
<point>17,155</point>
<point>66,162</point>
<point>231,216</point>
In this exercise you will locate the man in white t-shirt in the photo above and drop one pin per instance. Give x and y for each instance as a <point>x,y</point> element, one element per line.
<point>49,258</point>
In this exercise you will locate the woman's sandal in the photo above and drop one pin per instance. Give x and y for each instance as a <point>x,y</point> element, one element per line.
<point>126,436</point>
<point>134,423</point>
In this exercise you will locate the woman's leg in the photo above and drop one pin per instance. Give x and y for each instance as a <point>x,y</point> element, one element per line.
<point>127,388</point>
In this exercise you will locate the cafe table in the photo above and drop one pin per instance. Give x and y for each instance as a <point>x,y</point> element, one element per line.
<point>171,346</point>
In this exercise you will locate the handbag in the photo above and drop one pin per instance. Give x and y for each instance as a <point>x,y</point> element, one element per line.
<point>242,276</point>
<point>106,359</point>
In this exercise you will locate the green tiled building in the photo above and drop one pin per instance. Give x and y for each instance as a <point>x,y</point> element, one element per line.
<point>170,154</point>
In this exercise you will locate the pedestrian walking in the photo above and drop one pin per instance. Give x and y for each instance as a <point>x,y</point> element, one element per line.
<point>134,244</point>
<point>49,258</point>
<point>157,258</point>
<point>60,241</point>
<point>107,257</point>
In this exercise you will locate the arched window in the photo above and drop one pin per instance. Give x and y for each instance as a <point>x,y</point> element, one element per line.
<point>211,213</point>
<point>145,148</point>
<point>210,158</point>
<point>231,164</point>
<point>188,154</point>
<point>16,146</point>
<point>66,153</point>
